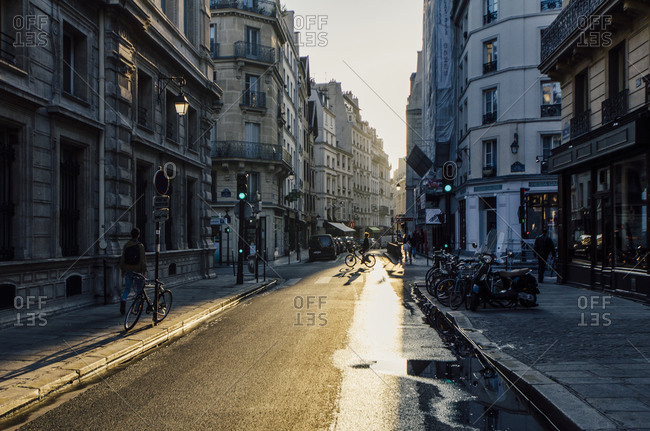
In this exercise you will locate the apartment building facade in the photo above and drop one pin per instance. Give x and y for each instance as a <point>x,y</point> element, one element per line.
<point>507,122</point>
<point>602,64</point>
<point>87,117</point>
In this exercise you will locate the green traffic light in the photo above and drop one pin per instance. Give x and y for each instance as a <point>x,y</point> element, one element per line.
<point>447,188</point>
<point>446,245</point>
<point>242,195</point>
<point>241,251</point>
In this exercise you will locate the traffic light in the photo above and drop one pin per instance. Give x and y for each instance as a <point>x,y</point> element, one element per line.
<point>242,186</point>
<point>227,230</point>
<point>522,214</point>
<point>447,185</point>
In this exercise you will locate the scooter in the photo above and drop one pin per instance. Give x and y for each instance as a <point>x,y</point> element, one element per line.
<point>510,287</point>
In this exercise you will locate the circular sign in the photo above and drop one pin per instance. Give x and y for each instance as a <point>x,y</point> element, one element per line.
<point>161,182</point>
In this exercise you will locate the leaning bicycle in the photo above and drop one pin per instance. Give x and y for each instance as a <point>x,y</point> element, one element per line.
<point>143,302</point>
<point>367,259</point>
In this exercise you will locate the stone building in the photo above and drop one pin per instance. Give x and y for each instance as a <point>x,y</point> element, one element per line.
<point>262,127</point>
<point>87,118</point>
<point>599,53</point>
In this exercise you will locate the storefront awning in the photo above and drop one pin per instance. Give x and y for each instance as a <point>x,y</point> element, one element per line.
<point>341,227</point>
<point>373,230</point>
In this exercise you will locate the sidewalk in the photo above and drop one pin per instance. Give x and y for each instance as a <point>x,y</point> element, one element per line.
<point>582,356</point>
<point>48,353</point>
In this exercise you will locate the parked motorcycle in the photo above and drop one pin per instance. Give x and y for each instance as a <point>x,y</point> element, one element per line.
<point>502,288</point>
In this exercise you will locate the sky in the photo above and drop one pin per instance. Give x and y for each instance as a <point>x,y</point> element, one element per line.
<point>370,46</point>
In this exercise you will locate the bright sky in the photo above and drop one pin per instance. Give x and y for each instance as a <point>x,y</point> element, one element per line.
<point>379,40</point>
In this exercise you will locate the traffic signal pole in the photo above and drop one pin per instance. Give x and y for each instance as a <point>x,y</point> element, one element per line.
<point>240,246</point>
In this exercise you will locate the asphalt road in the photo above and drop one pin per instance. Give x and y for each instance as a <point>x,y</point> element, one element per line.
<point>332,348</point>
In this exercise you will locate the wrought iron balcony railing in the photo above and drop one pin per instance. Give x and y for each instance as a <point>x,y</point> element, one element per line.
<point>7,48</point>
<point>567,22</point>
<point>250,151</point>
<point>554,110</point>
<point>580,124</point>
<point>262,7</point>
<point>490,66</point>
<point>143,116</point>
<point>489,171</point>
<point>255,51</point>
<point>551,4</point>
<point>214,49</point>
<point>490,17</point>
<point>489,118</point>
<point>253,99</point>
<point>615,107</point>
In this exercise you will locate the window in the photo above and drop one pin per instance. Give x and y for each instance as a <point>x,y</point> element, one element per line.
<point>489,106</point>
<point>192,130</point>
<point>69,207</point>
<point>490,56</point>
<point>252,42</point>
<point>169,8</point>
<point>189,17</point>
<point>548,143</point>
<point>145,90</point>
<point>8,143</point>
<point>252,95</point>
<point>580,226</point>
<point>551,99</point>
<point>616,105</point>
<point>581,102</point>
<point>630,211</point>
<point>190,223</point>
<point>489,158</point>
<point>75,63</point>
<point>214,46</point>
<point>490,11</point>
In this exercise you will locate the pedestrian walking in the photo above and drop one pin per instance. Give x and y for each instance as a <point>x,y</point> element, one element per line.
<point>414,244</point>
<point>543,247</point>
<point>133,260</point>
<point>408,256</point>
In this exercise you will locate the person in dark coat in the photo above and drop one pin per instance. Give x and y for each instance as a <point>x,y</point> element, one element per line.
<point>543,247</point>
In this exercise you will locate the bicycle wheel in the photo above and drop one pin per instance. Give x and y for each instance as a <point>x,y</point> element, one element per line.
<point>134,312</point>
<point>457,296</point>
<point>444,290</point>
<point>164,304</point>
<point>350,260</point>
<point>370,260</point>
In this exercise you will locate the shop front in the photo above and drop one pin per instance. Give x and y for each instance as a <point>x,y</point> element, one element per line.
<point>603,222</point>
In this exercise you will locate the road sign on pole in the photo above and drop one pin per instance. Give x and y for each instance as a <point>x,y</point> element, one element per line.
<point>161,182</point>
<point>160,202</point>
<point>161,215</point>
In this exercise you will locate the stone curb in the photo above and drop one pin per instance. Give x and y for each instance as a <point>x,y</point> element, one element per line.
<point>91,364</point>
<point>555,401</point>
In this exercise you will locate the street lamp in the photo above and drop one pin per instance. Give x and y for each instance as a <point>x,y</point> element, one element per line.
<point>180,101</point>
<point>514,147</point>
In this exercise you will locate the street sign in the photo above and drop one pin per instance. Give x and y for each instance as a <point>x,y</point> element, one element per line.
<point>161,215</point>
<point>403,219</point>
<point>161,182</point>
<point>160,202</point>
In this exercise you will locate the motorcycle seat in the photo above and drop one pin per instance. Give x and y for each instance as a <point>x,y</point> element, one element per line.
<point>513,274</point>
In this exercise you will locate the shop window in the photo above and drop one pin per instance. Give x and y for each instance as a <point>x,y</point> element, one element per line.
<point>631,214</point>
<point>580,226</point>
<point>541,213</point>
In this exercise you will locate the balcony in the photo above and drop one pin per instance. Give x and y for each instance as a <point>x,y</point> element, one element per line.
<point>489,171</point>
<point>489,118</point>
<point>490,17</point>
<point>143,117</point>
<point>567,22</point>
<point>253,51</point>
<point>553,110</point>
<point>250,151</point>
<point>490,66</point>
<point>614,107</point>
<point>214,49</point>
<point>580,124</point>
<point>262,7</point>
<point>551,4</point>
<point>253,99</point>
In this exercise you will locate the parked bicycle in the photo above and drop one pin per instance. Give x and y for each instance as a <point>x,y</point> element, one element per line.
<point>366,258</point>
<point>135,310</point>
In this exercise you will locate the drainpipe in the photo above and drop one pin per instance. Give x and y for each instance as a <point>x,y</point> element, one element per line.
<point>102,136</point>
